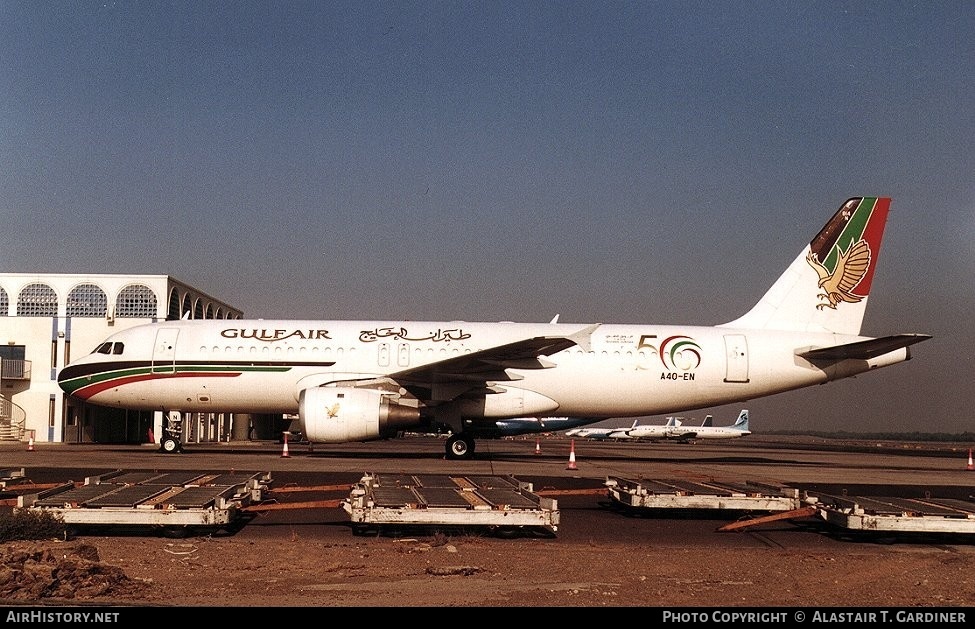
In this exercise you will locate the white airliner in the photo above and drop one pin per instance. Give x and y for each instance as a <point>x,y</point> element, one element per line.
<point>597,433</point>
<point>365,380</point>
<point>678,431</point>
<point>622,433</point>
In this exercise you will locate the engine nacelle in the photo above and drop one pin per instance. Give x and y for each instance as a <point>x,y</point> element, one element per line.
<point>340,414</point>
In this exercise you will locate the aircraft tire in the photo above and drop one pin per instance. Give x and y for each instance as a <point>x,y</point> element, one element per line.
<point>460,447</point>
<point>169,445</point>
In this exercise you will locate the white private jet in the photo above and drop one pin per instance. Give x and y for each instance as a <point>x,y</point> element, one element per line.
<point>365,380</point>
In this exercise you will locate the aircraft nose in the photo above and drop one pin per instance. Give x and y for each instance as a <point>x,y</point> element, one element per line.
<point>68,378</point>
<point>61,378</point>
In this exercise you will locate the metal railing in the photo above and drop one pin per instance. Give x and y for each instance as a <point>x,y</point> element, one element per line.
<point>14,369</point>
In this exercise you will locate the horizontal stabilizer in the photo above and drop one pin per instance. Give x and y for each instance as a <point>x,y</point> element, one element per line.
<point>865,350</point>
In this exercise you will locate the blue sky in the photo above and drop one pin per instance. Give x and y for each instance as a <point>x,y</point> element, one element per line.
<point>607,161</point>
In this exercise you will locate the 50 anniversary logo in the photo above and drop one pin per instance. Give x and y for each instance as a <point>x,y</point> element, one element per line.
<point>676,353</point>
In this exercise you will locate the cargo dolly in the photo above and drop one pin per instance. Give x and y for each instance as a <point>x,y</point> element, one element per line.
<point>861,515</point>
<point>173,503</point>
<point>501,504</point>
<point>880,514</point>
<point>648,494</point>
<point>11,477</point>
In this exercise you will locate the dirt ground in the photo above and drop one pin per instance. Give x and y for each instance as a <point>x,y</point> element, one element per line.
<point>475,571</point>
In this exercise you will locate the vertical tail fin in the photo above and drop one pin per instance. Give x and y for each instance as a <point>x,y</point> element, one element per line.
<point>825,289</point>
<point>742,422</point>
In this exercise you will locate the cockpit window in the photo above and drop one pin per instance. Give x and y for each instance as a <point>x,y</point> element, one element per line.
<point>118,347</point>
<point>109,348</point>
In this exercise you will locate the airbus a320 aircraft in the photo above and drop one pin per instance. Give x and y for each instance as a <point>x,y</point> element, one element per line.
<point>365,380</point>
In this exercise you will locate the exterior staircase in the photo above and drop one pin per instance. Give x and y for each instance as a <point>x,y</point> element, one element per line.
<point>13,421</point>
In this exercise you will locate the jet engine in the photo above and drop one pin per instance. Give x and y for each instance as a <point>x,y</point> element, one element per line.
<point>340,414</point>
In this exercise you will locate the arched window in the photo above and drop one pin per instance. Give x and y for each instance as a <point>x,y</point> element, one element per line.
<point>173,312</point>
<point>185,308</point>
<point>37,300</point>
<point>86,300</point>
<point>136,301</point>
<point>198,309</point>
<point>4,303</point>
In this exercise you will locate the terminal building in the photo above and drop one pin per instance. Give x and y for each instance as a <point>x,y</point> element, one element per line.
<point>46,319</point>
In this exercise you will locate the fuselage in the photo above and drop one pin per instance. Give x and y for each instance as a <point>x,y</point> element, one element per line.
<point>262,366</point>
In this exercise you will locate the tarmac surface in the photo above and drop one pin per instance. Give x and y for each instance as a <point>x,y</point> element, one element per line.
<point>308,481</point>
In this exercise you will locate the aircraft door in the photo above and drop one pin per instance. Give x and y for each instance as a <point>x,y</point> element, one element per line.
<point>736,350</point>
<point>164,353</point>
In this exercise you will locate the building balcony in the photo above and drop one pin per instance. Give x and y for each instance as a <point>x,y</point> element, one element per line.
<point>14,369</point>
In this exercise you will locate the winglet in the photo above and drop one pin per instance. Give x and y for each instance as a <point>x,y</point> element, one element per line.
<point>583,338</point>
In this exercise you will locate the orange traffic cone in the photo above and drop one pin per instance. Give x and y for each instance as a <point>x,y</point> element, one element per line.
<point>572,456</point>
<point>30,444</point>
<point>971,465</point>
<point>284,451</point>
<point>538,447</point>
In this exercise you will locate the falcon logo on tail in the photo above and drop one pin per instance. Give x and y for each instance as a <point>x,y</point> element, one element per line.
<point>838,286</point>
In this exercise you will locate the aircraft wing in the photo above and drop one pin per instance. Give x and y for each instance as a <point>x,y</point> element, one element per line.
<point>454,376</point>
<point>865,350</point>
